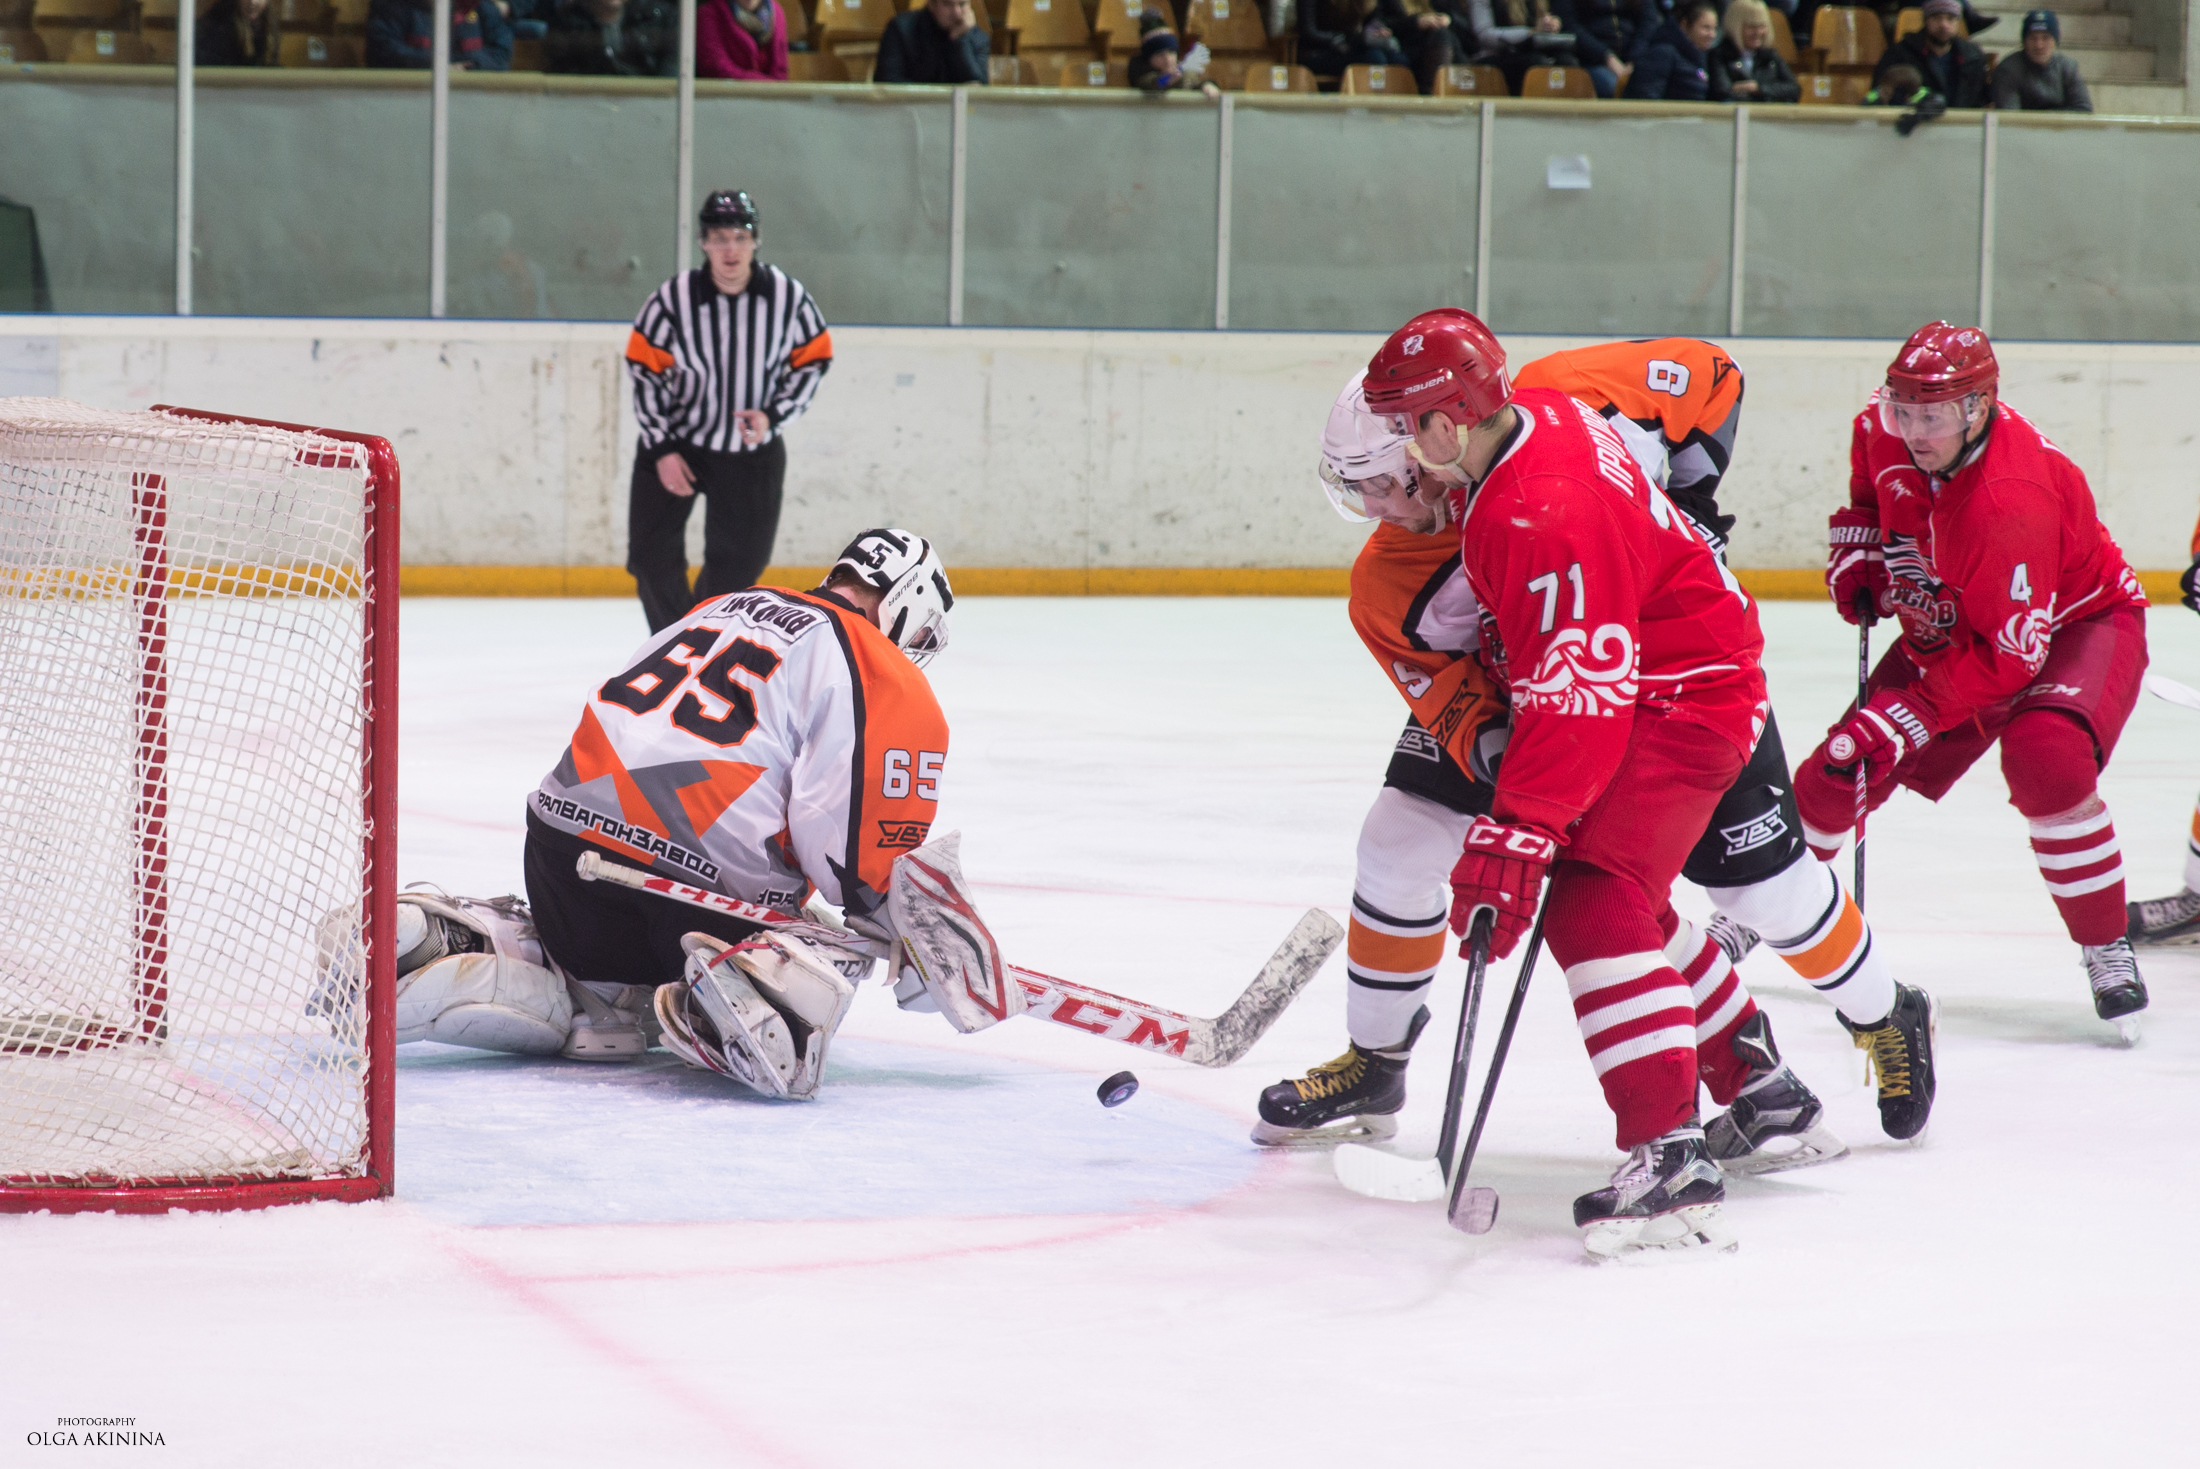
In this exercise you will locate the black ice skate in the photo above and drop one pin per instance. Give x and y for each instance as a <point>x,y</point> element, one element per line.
<point>2172,922</point>
<point>2119,994</point>
<point>1666,1196</point>
<point>1737,939</point>
<point>1775,1122</point>
<point>1900,1051</point>
<point>1354,1098</point>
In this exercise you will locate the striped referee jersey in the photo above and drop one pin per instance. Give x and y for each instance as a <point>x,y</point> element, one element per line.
<point>698,356</point>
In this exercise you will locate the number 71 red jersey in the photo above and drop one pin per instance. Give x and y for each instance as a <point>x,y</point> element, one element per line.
<point>771,741</point>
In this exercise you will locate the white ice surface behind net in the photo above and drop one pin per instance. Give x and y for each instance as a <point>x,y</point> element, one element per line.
<point>958,1258</point>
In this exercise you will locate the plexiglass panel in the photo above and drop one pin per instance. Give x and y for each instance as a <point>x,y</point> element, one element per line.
<point>312,197</point>
<point>561,199</point>
<point>2059,273</point>
<point>1322,237</point>
<point>851,190</point>
<point>1086,214</point>
<point>97,165</point>
<point>1856,231</point>
<point>1611,226</point>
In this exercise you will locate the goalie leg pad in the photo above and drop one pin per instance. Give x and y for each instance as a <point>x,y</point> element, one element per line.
<point>725,1025</point>
<point>940,939</point>
<point>804,999</point>
<point>487,1001</point>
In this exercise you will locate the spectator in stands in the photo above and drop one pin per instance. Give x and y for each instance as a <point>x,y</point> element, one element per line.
<point>402,33</point>
<point>627,38</point>
<point>1501,33</point>
<point>1675,66</point>
<point>741,40</point>
<point>1949,64</point>
<point>1754,71</point>
<point>938,43</point>
<point>1897,86</point>
<point>1423,31</point>
<point>2042,79</point>
<point>1335,34</point>
<point>1604,35</point>
<point>238,33</point>
<point>1158,68</point>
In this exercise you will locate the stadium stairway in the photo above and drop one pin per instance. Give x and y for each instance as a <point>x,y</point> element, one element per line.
<point>2124,77</point>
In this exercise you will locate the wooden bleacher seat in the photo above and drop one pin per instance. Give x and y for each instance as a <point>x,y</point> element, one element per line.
<point>307,49</point>
<point>1909,18</point>
<point>20,46</point>
<point>1010,71</point>
<point>849,29</point>
<point>815,66</point>
<point>1228,72</point>
<point>527,53</point>
<point>1229,27</point>
<point>1118,21</point>
<point>1094,74</point>
<point>1470,81</point>
<point>1276,77</point>
<point>109,48</point>
<point>1049,34</point>
<point>1848,35</point>
<point>1783,39</point>
<point>1557,81</point>
<point>1827,89</point>
<point>1379,81</point>
<point>58,21</point>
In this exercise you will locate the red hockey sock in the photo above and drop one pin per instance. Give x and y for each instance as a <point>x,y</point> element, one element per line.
<point>2049,760</point>
<point>1636,1014</point>
<point>1723,1005</point>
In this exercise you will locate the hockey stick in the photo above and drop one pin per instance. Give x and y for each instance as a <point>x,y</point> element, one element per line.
<point>1216,1042</point>
<point>1462,1048</point>
<point>2170,691</point>
<point>1863,767</point>
<point>1378,1174</point>
<point>1474,1210</point>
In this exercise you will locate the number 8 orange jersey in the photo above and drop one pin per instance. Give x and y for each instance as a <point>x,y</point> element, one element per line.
<point>770,742</point>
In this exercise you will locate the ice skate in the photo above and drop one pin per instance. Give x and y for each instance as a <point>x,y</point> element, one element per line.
<point>1666,1196</point>
<point>1775,1122</point>
<point>2165,923</point>
<point>1899,1051</point>
<point>2119,994</point>
<point>1736,939</point>
<point>1353,1099</point>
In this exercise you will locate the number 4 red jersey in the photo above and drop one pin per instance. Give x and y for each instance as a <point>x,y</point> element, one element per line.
<point>770,741</point>
<point>1601,604</point>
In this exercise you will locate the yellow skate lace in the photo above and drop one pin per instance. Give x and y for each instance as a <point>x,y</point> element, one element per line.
<point>1885,1053</point>
<point>1331,1077</point>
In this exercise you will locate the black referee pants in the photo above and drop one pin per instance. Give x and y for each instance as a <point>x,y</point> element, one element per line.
<point>741,495</point>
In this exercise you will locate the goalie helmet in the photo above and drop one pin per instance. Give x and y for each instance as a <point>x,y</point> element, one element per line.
<point>916,598</point>
<point>1358,445</point>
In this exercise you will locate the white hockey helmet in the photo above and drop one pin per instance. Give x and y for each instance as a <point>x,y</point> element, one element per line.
<point>1359,445</point>
<point>903,565</point>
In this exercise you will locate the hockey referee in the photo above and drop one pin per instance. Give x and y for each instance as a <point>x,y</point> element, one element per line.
<point>722,359</point>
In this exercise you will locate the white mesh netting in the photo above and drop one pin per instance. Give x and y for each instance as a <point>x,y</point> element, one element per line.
<point>184,634</point>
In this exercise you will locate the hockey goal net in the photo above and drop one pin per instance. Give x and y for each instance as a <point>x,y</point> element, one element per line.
<point>198,741</point>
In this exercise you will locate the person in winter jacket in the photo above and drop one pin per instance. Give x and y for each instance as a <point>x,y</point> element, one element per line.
<point>628,38</point>
<point>938,44</point>
<point>2042,79</point>
<point>741,40</point>
<point>1951,65</point>
<point>1335,34</point>
<point>401,33</point>
<point>1676,64</point>
<point>238,33</point>
<point>1753,70</point>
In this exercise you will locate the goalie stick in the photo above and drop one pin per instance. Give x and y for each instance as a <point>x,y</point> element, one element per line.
<point>1203,1042</point>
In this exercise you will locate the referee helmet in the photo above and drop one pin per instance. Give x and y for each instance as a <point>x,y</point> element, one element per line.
<point>730,208</point>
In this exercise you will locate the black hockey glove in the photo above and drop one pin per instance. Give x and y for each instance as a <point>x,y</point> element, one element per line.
<point>2189,583</point>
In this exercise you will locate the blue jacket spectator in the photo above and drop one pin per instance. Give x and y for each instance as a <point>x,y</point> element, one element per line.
<point>1675,65</point>
<point>400,33</point>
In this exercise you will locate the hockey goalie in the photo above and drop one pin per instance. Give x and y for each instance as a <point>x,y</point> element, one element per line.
<point>776,747</point>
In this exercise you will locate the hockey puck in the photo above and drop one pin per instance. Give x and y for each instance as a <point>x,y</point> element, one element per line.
<point>1118,1089</point>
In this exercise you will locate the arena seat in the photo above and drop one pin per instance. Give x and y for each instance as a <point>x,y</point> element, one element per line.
<point>1229,28</point>
<point>1047,34</point>
<point>815,66</point>
<point>1783,39</point>
<point>1379,81</point>
<point>20,46</point>
<point>1009,71</point>
<point>1848,35</point>
<point>330,51</point>
<point>1824,89</point>
<point>527,53</point>
<point>1909,18</point>
<point>1094,74</point>
<point>1471,81</point>
<point>109,48</point>
<point>58,21</point>
<point>1118,21</point>
<point>1278,78</point>
<point>849,29</point>
<point>1557,81</point>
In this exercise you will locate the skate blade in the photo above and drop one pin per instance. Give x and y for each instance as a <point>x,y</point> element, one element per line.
<point>1778,1155</point>
<point>1371,1128</point>
<point>2128,1029</point>
<point>1695,1229</point>
<point>1375,1174</point>
<point>2186,938</point>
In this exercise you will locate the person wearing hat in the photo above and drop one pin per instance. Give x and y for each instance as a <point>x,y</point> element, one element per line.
<point>2042,79</point>
<point>1159,66</point>
<point>1949,63</point>
<point>722,358</point>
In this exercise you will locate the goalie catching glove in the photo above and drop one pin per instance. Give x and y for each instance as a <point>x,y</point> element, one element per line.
<point>1502,869</point>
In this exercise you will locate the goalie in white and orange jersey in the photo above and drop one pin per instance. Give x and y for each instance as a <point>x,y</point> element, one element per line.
<point>1412,607</point>
<point>773,746</point>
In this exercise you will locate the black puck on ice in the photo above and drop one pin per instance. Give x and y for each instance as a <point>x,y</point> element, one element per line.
<point>1118,1089</point>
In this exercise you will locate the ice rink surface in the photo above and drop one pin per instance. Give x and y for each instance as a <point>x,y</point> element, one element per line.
<point>957,1257</point>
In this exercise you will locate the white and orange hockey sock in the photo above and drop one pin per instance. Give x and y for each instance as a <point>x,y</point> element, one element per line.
<point>1723,1006</point>
<point>1803,915</point>
<point>1401,899</point>
<point>2083,865</point>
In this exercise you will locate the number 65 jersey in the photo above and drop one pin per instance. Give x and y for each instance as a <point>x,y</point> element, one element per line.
<point>770,742</point>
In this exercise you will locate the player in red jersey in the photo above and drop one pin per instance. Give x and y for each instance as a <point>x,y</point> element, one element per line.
<point>1630,660</point>
<point>2175,920</point>
<point>2020,623</point>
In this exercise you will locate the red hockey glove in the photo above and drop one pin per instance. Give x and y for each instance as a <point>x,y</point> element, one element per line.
<point>1881,733</point>
<point>1856,567</point>
<point>1502,870</point>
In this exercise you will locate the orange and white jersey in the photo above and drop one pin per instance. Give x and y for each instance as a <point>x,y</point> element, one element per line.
<point>1413,609</point>
<point>1676,402</point>
<point>771,742</point>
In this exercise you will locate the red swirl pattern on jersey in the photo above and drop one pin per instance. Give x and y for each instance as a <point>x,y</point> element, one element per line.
<point>1599,600</point>
<point>1987,563</point>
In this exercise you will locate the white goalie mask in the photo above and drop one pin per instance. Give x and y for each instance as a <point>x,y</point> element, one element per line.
<point>1358,446</point>
<point>903,566</point>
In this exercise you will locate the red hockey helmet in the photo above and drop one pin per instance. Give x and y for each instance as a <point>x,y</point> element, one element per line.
<point>1442,359</point>
<point>1942,363</point>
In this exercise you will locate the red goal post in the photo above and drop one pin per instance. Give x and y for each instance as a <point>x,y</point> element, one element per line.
<point>198,776</point>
